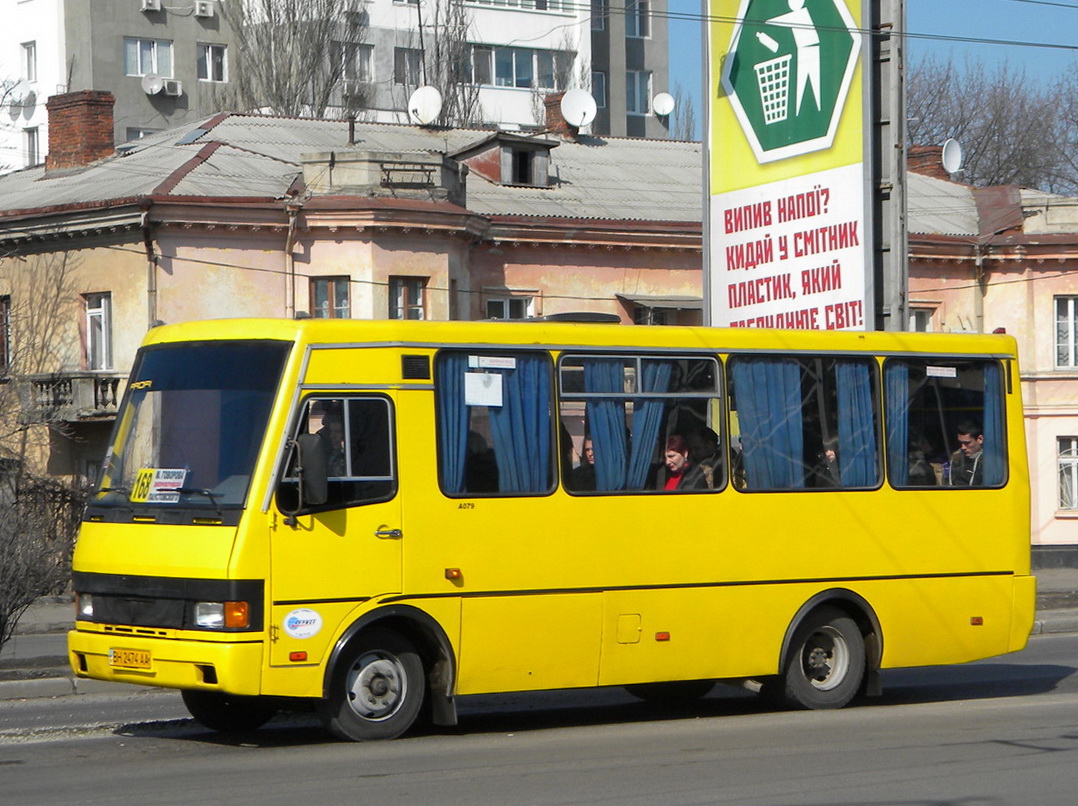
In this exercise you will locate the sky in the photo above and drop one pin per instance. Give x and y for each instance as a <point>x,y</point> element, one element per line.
<point>941,29</point>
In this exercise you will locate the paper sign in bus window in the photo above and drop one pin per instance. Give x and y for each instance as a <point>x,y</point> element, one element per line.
<point>158,485</point>
<point>482,389</point>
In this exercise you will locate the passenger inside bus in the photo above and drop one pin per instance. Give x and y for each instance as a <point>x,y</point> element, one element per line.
<point>967,469</point>
<point>679,471</point>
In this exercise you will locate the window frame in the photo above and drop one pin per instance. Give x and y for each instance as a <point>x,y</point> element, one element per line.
<point>98,318</point>
<point>400,300</point>
<point>355,60</point>
<point>598,88</point>
<point>334,307</point>
<point>28,52</point>
<point>508,300</point>
<point>637,81</point>
<point>637,19</point>
<point>5,333</point>
<point>1067,473</point>
<point>1066,340</point>
<point>134,47</point>
<point>407,67</point>
<point>207,64</point>
<point>31,139</point>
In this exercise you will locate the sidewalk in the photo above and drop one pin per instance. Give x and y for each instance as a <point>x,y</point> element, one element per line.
<point>34,662</point>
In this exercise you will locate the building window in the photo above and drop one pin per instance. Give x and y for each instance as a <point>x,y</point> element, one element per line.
<point>142,56</point>
<point>406,297</point>
<point>921,320</point>
<point>509,307</point>
<point>564,6</point>
<point>32,146</point>
<point>517,67</point>
<point>638,92</point>
<point>212,63</point>
<point>1068,472</point>
<point>407,66</point>
<point>29,61</point>
<point>637,20</point>
<point>598,15</point>
<point>98,331</point>
<point>137,132</point>
<point>645,315</point>
<point>5,333</point>
<point>598,88</point>
<point>330,298</point>
<point>354,60</point>
<point>1067,332</point>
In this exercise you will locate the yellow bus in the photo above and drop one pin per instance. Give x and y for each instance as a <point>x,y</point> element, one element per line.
<point>375,518</point>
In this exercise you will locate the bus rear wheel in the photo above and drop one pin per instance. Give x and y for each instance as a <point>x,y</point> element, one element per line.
<point>376,688</point>
<point>825,663</point>
<point>227,713</point>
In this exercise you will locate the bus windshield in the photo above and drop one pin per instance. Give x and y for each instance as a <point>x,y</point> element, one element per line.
<point>189,430</point>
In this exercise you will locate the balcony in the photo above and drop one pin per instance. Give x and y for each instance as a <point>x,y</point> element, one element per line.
<point>70,396</point>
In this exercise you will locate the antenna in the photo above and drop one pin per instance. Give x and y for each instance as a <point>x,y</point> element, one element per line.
<point>152,83</point>
<point>425,105</point>
<point>663,104</point>
<point>29,101</point>
<point>952,156</point>
<point>578,108</point>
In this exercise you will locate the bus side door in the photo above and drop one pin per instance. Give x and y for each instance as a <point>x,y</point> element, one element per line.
<point>347,551</point>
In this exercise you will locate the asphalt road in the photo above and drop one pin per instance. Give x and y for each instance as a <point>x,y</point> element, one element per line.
<point>994,733</point>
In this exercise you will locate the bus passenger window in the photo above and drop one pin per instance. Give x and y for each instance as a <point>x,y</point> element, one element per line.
<point>356,433</point>
<point>640,423</point>
<point>495,423</point>
<point>945,423</point>
<point>804,423</point>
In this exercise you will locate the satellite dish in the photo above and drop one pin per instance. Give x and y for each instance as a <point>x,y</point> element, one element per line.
<point>952,156</point>
<point>578,108</point>
<point>425,105</point>
<point>152,83</point>
<point>663,104</point>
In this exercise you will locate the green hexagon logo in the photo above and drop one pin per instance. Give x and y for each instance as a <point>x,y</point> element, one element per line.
<point>788,72</point>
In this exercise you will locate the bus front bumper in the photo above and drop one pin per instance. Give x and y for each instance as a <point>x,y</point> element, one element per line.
<point>230,667</point>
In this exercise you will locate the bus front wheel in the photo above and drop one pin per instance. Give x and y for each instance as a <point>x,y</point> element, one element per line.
<point>376,688</point>
<point>227,713</point>
<point>825,663</point>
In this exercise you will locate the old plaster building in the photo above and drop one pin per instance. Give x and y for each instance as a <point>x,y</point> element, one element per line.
<point>240,215</point>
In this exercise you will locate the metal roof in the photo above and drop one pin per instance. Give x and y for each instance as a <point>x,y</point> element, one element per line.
<point>239,155</point>
<point>937,207</point>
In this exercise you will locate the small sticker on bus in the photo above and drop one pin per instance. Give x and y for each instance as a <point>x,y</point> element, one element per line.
<point>492,362</point>
<point>303,623</point>
<point>941,372</point>
<point>482,389</point>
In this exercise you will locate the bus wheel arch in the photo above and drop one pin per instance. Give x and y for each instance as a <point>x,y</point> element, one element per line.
<point>830,653</point>
<point>419,634</point>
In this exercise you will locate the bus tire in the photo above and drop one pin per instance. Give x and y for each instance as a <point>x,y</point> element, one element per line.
<point>674,692</point>
<point>375,689</point>
<point>825,663</point>
<point>227,713</point>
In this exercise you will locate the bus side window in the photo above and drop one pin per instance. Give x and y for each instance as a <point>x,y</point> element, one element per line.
<point>495,423</point>
<point>945,423</point>
<point>804,423</point>
<point>356,433</point>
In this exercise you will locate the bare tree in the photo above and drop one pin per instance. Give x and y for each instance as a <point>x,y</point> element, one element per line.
<point>1012,130</point>
<point>38,514</point>
<point>684,123</point>
<point>447,61</point>
<point>296,58</point>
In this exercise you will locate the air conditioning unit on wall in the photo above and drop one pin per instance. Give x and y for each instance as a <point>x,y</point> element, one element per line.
<point>172,86</point>
<point>204,8</point>
<point>151,5</point>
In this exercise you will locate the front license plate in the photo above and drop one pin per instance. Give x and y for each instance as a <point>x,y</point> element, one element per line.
<point>129,658</point>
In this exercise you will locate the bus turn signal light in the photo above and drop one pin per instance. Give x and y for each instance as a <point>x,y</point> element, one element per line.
<point>297,657</point>
<point>662,636</point>
<point>237,615</point>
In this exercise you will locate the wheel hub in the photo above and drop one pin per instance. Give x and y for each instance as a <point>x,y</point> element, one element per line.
<point>376,687</point>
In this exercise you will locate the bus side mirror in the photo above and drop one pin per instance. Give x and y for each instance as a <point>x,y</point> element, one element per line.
<point>312,469</point>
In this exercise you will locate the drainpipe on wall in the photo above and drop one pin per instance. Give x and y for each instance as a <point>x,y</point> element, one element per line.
<point>980,274</point>
<point>292,208</point>
<point>151,270</point>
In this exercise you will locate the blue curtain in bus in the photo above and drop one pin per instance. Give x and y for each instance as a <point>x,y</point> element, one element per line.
<point>993,426</point>
<point>606,421</point>
<point>521,427</point>
<point>769,411</point>
<point>452,419</point>
<point>856,454</point>
<point>896,377</point>
<point>647,421</point>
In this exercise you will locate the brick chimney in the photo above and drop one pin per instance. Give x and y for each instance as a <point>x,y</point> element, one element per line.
<point>80,128</point>
<point>555,121</point>
<point>927,161</point>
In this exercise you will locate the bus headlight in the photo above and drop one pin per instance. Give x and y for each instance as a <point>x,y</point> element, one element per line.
<point>222,615</point>
<point>84,606</point>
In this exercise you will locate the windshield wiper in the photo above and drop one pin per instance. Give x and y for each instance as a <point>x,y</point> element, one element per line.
<point>198,491</point>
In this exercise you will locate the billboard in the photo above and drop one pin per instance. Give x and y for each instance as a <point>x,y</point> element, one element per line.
<point>789,230</point>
